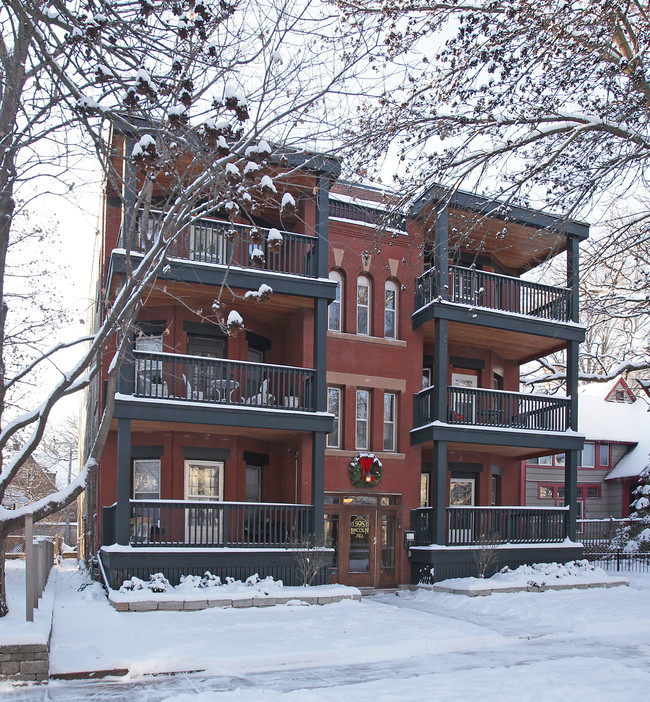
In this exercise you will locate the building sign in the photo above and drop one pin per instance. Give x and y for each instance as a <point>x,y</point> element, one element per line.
<point>359,526</point>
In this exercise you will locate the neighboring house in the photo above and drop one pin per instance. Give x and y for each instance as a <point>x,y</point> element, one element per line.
<point>32,483</point>
<point>616,425</point>
<point>401,349</point>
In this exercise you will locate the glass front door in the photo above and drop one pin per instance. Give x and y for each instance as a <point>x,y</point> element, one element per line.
<point>362,529</point>
<point>203,483</point>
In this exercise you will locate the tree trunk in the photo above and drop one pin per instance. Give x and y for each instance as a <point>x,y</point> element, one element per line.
<point>4,608</point>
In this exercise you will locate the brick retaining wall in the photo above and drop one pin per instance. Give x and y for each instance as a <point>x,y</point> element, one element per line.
<point>25,662</point>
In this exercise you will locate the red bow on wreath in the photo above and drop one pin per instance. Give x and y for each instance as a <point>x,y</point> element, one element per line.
<point>366,468</point>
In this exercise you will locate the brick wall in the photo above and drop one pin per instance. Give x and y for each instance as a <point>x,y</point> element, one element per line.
<point>25,662</point>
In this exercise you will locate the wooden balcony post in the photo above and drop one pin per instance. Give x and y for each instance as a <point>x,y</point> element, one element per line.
<point>573,277</point>
<point>438,523</point>
<point>441,253</point>
<point>123,506</point>
<point>318,483</point>
<point>129,197</point>
<point>440,355</point>
<point>126,379</point>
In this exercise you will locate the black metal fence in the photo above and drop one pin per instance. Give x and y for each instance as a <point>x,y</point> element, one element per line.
<point>599,539</point>
<point>471,526</point>
<point>193,523</point>
<point>224,243</point>
<point>221,381</point>
<point>493,291</point>
<point>496,408</point>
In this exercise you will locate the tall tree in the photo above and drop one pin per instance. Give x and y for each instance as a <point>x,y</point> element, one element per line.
<point>201,89</point>
<point>546,104</point>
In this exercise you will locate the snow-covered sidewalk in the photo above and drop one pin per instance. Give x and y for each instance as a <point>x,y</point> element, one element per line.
<point>571,644</point>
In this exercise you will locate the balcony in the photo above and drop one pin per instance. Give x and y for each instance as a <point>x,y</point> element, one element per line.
<point>216,381</point>
<point>472,526</point>
<point>223,243</point>
<point>492,291</point>
<point>495,408</point>
<point>203,524</point>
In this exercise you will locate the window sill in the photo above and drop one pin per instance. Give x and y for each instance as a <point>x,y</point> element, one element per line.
<point>366,339</point>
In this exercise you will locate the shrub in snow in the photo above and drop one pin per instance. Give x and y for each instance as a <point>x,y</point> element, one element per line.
<point>252,580</point>
<point>132,585</point>
<point>209,580</point>
<point>634,537</point>
<point>158,583</point>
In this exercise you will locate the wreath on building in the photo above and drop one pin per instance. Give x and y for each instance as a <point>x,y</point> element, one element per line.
<point>365,470</point>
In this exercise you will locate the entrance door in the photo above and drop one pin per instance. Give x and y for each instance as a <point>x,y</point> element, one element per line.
<point>362,530</point>
<point>204,483</point>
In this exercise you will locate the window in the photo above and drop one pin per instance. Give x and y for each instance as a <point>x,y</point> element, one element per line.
<point>334,407</point>
<point>593,492</point>
<point>545,492</point>
<point>546,460</point>
<point>149,369</point>
<point>390,310</point>
<point>335,309</point>
<point>496,489</point>
<point>426,378</point>
<point>424,489</point>
<point>253,484</point>
<point>146,479</point>
<point>587,456</point>
<point>559,459</point>
<point>603,452</point>
<point>390,406</point>
<point>363,305</point>
<point>363,411</point>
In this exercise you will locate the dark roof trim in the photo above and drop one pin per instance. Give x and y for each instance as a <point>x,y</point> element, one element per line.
<point>306,161</point>
<point>495,208</point>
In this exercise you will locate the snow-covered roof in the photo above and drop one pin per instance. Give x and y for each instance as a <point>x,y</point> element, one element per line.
<point>624,422</point>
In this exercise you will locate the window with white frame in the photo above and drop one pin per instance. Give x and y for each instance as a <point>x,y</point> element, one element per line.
<point>334,407</point>
<point>363,305</point>
<point>390,310</point>
<point>587,455</point>
<point>390,409</point>
<point>363,413</point>
<point>335,309</point>
<point>146,479</point>
<point>604,454</point>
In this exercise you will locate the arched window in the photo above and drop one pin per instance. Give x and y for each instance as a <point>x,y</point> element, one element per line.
<point>335,309</point>
<point>363,305</point>
<point>390,310</point>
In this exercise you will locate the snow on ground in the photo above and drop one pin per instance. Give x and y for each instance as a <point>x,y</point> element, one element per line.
<point>13,628</point>
<point>571,644</point>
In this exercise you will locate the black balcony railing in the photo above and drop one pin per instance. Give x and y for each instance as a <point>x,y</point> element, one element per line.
<point>495,408</point>
<point>225,243</point>
<point>193,523</point>
<point>168,376</point>
<point>468,286</point>
<point>470,526</point>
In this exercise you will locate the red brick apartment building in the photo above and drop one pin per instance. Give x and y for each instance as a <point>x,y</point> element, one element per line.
<point>373,400</point>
